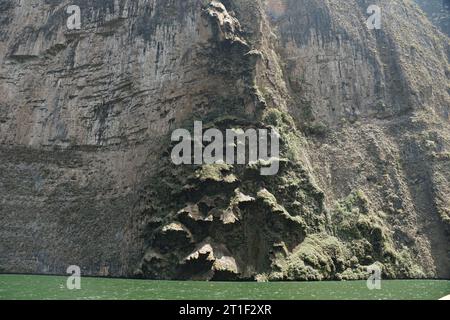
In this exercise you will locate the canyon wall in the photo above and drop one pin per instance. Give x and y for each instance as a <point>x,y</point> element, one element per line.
<point>86,117</point>
<point>438,11</point>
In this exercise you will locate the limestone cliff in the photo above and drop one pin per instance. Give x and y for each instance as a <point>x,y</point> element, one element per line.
<point>438,11</point>
<point>86,117</point>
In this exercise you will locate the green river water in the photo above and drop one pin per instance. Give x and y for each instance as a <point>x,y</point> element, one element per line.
<point>51,287</point>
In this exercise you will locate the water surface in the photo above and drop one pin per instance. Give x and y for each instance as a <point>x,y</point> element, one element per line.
<point>52,287</point>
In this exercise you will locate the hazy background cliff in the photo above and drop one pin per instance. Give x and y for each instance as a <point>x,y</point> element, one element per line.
<point>86,117</point>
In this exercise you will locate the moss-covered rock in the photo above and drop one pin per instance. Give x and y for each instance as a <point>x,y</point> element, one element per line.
<point>369,238</point>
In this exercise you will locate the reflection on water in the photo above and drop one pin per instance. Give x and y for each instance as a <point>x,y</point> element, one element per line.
<point>44,287</point>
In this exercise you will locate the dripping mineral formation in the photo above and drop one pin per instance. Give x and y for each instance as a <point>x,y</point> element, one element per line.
<point>86,117</point>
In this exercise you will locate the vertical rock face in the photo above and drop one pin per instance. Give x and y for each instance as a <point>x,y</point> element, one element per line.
<point>86,116</point>
<point>82,117</point>
<point>376,113</point>
<point>438,12</point>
